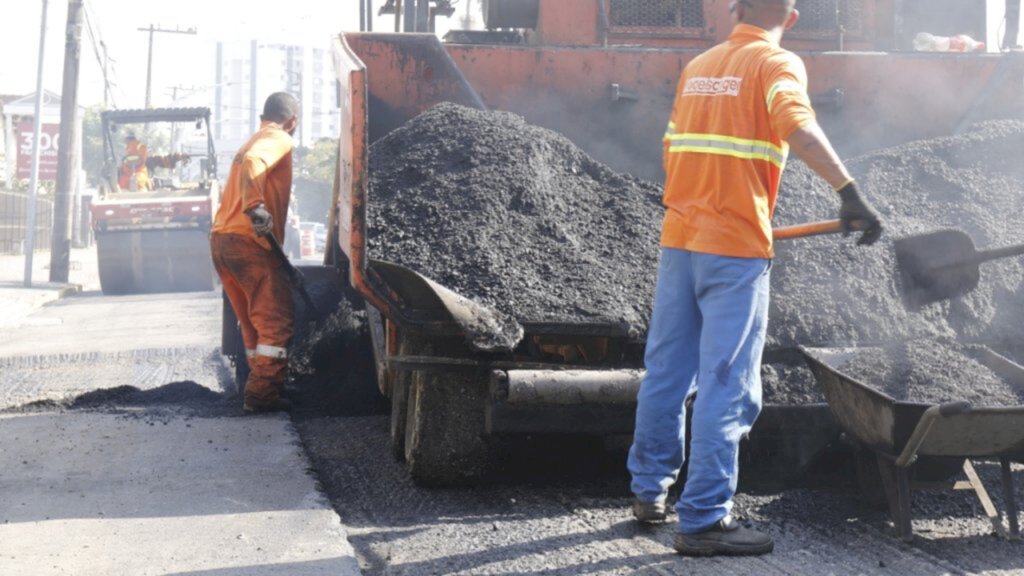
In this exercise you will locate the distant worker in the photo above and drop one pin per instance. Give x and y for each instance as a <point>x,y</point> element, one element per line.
<point>254,205</point>
<point>133,174</point>
<point>738,108</point>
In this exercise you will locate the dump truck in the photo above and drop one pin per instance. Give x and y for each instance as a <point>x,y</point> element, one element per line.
<point>152,216</point>
<point>604,73</point>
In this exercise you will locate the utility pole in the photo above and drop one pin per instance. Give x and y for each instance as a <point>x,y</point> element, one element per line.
<point>60,250</point>
<point>149,66</point>
<point>33,182</point>
<point>106,80</point>
<point>409,25</point>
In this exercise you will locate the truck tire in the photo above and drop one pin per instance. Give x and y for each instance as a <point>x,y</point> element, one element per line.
<point>409,345</point>
<point>444,430</point>
<point>399,407</point>
<point>232,347</point>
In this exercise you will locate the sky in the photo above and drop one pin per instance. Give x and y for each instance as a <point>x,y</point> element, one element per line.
<point>182,61</point>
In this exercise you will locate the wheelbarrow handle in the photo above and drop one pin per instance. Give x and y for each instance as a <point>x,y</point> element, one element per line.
<point>909,454</point>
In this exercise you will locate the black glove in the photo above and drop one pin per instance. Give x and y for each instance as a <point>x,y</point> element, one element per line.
<point>856,214</point>
<point>262,221</point>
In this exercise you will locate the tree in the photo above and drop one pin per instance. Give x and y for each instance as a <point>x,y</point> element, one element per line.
<point>92,145</point>
<point>314,179</point>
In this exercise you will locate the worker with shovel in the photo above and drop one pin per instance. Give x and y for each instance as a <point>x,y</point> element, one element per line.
<point>248,226</point>
<point>738,108</point>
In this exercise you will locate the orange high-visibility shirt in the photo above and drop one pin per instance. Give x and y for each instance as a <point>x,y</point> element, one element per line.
<point>261,173</point>
<point>725,147</point>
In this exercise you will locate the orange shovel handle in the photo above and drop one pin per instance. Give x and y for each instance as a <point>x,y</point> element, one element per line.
<point>809,229</point>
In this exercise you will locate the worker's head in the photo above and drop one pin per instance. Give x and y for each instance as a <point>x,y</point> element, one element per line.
<point>771,15</point>
<point>130,137</point>
<point>282,108</point>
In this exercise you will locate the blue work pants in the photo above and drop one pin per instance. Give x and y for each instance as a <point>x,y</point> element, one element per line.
<point>706,337</point>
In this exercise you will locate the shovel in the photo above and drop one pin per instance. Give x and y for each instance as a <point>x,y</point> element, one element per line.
<point>294,274</point>
<point>941,265</point>
<point>809,229</point>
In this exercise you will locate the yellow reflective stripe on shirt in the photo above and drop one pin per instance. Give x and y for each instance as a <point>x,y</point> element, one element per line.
<point>728,146</point>
<point>670,130</point>
<point>788,85</point>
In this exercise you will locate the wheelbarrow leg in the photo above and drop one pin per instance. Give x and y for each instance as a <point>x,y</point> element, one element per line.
<point>1008,497</point>
<point>896,480</point>
<point>983,497</point>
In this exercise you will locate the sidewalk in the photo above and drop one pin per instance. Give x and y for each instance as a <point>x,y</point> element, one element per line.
<point>18,301</point>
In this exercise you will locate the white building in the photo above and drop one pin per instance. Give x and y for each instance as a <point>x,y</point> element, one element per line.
<point>248,72</point>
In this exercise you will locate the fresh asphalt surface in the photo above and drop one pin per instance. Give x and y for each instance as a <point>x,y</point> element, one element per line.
<point>196,489</point>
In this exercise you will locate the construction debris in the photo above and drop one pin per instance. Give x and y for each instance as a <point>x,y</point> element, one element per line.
<point>518,218</point>
<point>931,371</point>
<point>515,217</point>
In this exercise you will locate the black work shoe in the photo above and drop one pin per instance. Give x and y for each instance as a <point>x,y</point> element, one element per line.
<point>649,512</point>
<point>257,407</point>
<point>727,538</point>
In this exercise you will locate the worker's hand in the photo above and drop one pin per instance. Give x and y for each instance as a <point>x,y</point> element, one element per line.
<point>856,214</point>
<point>262,221</point>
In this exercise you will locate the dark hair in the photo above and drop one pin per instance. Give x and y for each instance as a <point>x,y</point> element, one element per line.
<point>280,107</point>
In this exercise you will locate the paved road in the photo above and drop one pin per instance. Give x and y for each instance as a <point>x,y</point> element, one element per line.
<point>131,460</point>
<point>185,485</point>
<point>560,507</point>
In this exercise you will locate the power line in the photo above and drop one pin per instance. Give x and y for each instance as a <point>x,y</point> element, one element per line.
<point>149,68</point>
<point>101,60</point>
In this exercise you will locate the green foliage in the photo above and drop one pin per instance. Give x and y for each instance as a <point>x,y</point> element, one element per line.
<point>314,179</point>
<point>92,145</point>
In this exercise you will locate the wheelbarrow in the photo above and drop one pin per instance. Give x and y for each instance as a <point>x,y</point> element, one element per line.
<point>905,437</point>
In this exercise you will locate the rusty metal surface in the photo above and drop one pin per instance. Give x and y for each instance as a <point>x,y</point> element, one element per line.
<point>865,413</point>
<point>885,424</point>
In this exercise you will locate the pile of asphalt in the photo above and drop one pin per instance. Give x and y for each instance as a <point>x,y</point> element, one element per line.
<point>515,217</point>
<point>931,371</point>
<point>518,218</point>
<point>184,397</point>
<point>826,290</point>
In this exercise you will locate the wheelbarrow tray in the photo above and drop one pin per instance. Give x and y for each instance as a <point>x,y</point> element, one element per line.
<point>885,424</point>
<point>909,437</point>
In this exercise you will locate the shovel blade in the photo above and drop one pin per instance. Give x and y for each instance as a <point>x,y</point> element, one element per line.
<point>935,267</point>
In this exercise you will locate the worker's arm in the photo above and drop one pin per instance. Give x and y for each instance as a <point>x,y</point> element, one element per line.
<point>810,144</point>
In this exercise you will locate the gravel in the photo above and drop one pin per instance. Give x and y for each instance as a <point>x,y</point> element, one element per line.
<point>931,371</point>
<point>517,218</point>
<point>828,291</point>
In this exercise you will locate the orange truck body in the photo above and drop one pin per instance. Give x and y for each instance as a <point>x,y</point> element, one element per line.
<point>609,88</point>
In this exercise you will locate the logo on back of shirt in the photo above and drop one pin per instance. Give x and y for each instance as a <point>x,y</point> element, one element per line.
<point>702,86</point>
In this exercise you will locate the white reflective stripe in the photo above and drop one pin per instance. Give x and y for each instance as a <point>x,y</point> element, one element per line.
<point>271,351</point>
<point>782,85</point>
<point>728,146</point>
<point>249,353</point>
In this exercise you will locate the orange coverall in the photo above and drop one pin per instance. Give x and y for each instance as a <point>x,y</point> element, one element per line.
<point>254,278</point>
<point>134,166</point>
<point>725,147</point>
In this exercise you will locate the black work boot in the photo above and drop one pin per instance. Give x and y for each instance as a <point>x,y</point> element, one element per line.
<point>649,512</point>
<point>253,406</point>
<point>726,538</point>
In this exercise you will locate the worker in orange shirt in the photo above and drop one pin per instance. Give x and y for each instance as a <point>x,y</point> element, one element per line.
<point>254,206</point>
<point>133,174</point>
<point>738,109</point>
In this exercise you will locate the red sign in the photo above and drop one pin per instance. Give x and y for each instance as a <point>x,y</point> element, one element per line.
<point>49,139</point>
